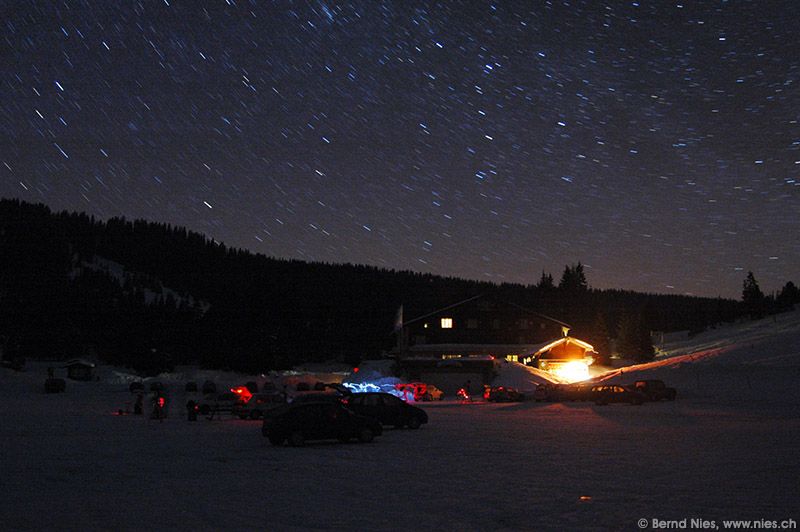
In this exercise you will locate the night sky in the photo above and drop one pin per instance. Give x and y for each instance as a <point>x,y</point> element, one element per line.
<point>656,142</point>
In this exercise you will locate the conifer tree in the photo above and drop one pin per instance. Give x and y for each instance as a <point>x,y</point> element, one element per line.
<point>752,297</point>
<point>573,279</point>
<point>633,340</point>
<point>599,338</point>
<point>545,282</point>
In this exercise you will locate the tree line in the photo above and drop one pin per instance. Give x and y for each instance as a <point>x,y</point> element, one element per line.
<point>149,295</point>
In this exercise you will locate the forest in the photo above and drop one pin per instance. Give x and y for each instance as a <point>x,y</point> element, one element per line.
<point>149,295</point>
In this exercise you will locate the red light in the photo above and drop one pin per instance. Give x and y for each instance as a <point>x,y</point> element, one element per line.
<point>243,393</point>
<point>415,389</point>
<point>161,402</point>
<point>355,370</point>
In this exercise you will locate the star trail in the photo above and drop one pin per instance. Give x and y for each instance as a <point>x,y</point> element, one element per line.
<point>656,142</point>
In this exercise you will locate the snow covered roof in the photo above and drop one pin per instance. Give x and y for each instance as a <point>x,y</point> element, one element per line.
<point>79,362</point>
<point>553,348</point>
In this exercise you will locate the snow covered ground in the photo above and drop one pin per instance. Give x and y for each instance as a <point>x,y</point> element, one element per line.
<point>727,449</point>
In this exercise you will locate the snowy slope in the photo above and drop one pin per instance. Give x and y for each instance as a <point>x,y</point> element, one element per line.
<point>523,378</point>
<point>749,361</point>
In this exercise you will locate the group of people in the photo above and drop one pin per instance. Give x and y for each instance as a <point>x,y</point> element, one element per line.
<point>159,402</point>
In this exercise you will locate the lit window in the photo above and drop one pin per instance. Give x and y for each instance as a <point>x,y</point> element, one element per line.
<point>447,323</point>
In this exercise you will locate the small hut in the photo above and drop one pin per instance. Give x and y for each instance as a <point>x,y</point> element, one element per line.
<point>567,357</point>
<point>79,369</point>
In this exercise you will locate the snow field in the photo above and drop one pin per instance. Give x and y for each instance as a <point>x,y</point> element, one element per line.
<point>727,449</point>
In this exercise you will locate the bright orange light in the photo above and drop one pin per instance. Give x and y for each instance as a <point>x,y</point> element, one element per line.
<point>574,371</point>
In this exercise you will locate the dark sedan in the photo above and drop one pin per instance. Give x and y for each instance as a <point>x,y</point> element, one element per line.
<point>388,409</point>
<point>317,421</point>
<point>503,394</point>
<point>615,393</point>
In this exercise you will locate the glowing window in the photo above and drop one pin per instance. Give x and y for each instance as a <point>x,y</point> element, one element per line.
<point>447,323</point>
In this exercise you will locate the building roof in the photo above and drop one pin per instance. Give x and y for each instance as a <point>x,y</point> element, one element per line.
<point>563,348</point>
<point>495,349</point>
<point>78,362</point>
<point>479,296</point>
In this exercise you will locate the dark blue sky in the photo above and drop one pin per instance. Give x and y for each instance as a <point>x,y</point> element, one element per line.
<point>656,142</point>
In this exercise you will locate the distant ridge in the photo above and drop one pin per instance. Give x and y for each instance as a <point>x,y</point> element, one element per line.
<point>181,297</point>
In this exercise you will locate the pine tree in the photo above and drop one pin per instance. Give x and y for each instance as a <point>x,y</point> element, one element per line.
<point>573,279</point>
<point>646,351</point>
<point>787,297</point>
<point>633,340</point>
<point>752,297</point>
<point>599,338</point>
<point>546,282</point>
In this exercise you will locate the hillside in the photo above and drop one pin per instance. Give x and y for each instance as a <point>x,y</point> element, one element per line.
<point>173,296</point>
<point>752,361</point>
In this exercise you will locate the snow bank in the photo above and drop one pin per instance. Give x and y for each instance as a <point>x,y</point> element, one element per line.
<point>523,378</point>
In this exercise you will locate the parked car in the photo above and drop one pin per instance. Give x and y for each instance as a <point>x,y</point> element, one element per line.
<point>432,393</point>
<point>321,391</point>
<point>299,423</point>
<point>546,392</point>
<point>615,393</point>
<point>16,363</point>
<point>388,409</point>
<point>259,403</point>
<point>503,394</point>
<point>221,403</point>
<point>209,387</point>
<point>575,392</point>
<point>339,388</point>
<point>316,397</point>
<point>656,390</point>
<point>420,391</point>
